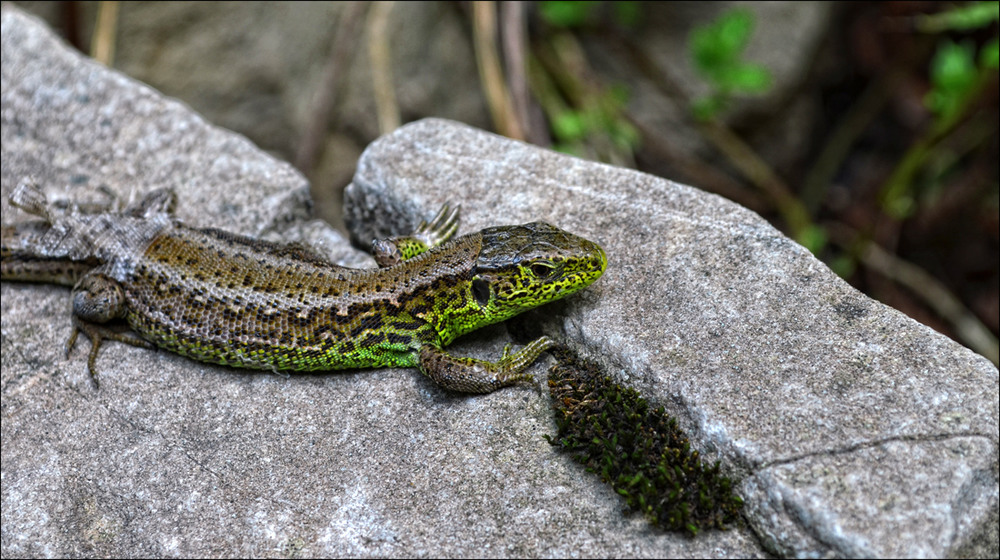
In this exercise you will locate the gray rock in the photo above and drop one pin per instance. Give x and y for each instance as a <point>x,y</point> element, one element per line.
<point>171,457</point>
<point>856,431</point>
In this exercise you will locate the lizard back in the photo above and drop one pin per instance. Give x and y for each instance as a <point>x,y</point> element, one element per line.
<point>234,300</point>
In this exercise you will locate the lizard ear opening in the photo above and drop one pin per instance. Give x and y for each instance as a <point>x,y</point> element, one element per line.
<point>481,291</point>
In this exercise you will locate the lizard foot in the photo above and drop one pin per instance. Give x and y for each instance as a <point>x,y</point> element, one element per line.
<point>98,334</point>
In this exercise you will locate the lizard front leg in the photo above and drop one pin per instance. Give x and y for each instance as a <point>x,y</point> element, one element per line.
<point>98,299</point>
<point>469,375</point>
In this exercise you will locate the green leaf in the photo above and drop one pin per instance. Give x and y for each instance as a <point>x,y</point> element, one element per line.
<point>707,108</point>
<point>953,74</point>
<point>720,43</point>
<point>733,31</point>
<point>749,78</point>
<point>813,238</point>
<point>716,50</point>
<point>953,67</point>
<point>703,51</point>
<point>901,207</point>
<point>625,136</point>
<point>570,126</point>
<point>562,13</point>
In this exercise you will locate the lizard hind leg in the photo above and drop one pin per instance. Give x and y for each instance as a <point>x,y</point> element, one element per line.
<point>30,197</point>
<point>98,299</point>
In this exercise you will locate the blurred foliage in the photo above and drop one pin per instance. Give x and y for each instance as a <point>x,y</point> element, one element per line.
<point>959,18</point>
<point>561,13</point>
<point>586,118</point>
<point>716,49</point>
<point>889,187</point>
<point>953,74</point>
<point>601,118</point>
<point>989,56</point>
<point>957,82</point>
<point>568,14</point>
<point>954,71</point>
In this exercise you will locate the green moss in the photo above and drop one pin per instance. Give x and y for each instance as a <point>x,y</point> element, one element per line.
<point>638,450</point>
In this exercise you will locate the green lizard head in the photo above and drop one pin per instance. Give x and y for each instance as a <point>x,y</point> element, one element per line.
<point>522,267</point>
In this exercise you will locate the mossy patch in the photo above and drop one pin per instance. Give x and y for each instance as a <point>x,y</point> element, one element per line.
<point>640,451</point>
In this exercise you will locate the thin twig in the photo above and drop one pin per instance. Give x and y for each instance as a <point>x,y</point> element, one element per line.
<point>102,45</point>
<point>325,97</point>
<point>514,41</point>
<point>484,31</point>
<point>543,87</point>
<point>965,190</point>
<point>561,66</point>
<point>758,172</point>
<point>838,144</point>
<point>381,66</point>
<point>855,121</point>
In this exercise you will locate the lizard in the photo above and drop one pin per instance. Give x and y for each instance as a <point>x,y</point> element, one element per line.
<point>234,300</point>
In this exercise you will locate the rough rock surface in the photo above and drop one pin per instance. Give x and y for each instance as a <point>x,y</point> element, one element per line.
<point>171,457</point>
<point>857,431</point>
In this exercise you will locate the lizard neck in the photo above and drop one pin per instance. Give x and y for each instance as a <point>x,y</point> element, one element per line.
<point>435,288</point>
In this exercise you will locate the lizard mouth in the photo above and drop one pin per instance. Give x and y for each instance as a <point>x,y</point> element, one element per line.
<point>595,263</point>
<point>603,260</point>
<point>588,269</point>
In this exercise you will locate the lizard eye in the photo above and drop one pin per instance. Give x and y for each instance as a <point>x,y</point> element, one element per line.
<point>542,270</point>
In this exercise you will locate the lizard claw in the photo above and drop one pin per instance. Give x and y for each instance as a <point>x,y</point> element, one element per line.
<point>97,335</point>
